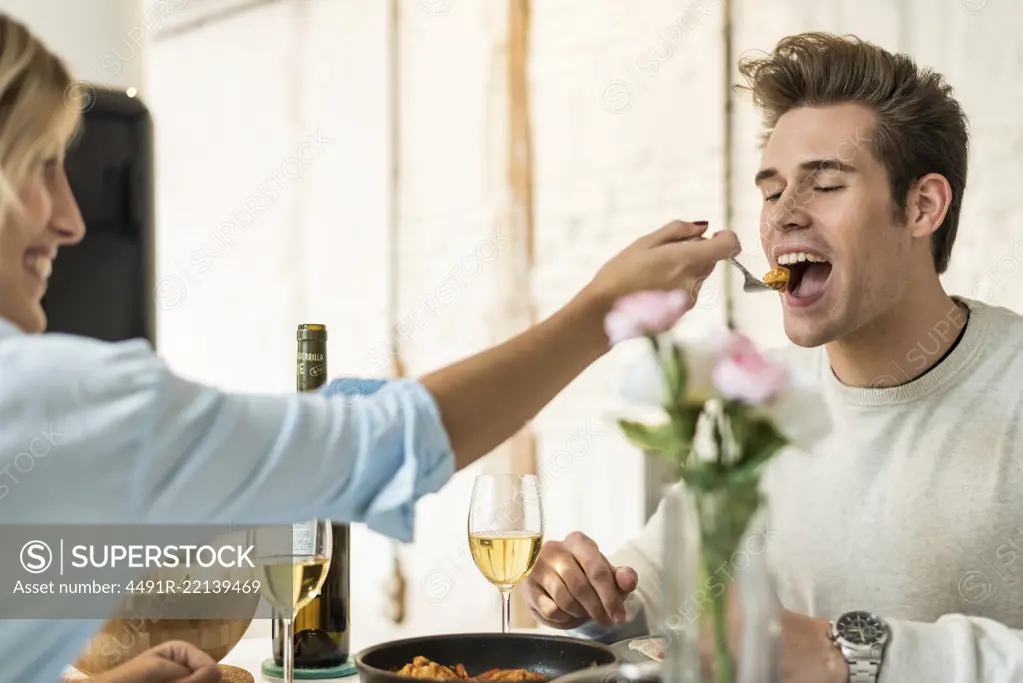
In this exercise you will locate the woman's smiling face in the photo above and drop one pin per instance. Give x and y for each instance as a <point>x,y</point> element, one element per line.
<point>30,236</point>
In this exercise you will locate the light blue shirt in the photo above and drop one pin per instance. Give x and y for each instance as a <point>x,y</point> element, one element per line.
<point>94,432</point>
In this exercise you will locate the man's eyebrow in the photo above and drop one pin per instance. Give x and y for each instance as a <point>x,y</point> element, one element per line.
<point>828,164</point>
<point>763,174</point>
<point>813,165</point>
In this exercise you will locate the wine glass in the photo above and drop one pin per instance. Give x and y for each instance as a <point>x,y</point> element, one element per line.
<point>505,531</point>
<point>291,568</point>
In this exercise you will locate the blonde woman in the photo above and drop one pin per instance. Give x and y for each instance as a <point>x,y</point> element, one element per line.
<point>139,444</point>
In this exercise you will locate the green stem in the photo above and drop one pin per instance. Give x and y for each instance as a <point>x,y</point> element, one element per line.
<point>723,665</point>
<point>719,441</point>
<point>720,520</point>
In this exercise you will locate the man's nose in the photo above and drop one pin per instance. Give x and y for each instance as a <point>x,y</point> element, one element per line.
<point>788,213</point>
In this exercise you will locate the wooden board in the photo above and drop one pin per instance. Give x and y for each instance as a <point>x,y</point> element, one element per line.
<point>517,310</point>
<point>232,674</point>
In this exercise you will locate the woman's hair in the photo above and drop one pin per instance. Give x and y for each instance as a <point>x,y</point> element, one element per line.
<point>920,127</point>
<point>39,108</point>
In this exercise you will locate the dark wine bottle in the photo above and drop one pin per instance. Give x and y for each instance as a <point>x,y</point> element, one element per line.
<point>321,627</point>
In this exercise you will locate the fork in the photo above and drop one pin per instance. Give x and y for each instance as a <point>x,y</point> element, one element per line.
<point>750,283</point>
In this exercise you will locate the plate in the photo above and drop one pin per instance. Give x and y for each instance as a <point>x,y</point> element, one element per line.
<point>627,654</point>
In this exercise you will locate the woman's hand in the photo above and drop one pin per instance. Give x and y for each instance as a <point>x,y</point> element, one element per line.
<point>172,662</point>
<point>676,257</point>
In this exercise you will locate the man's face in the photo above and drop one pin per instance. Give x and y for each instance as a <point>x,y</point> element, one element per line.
<point>827,216</point>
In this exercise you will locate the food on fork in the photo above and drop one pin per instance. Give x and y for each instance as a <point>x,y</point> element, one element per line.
<point>778,279</point>
<point>808,273</point>
<point>423,668</point>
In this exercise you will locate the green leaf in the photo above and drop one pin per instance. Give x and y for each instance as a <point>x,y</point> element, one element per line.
<point>685,416</point>
<point>762,440</point>
<point>651,439</point>
<point>739,476</point>
<point>675,375</point>
<point>738,421</point>
<point>703,477</point>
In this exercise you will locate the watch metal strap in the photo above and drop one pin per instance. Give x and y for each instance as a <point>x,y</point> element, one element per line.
<point>862,671</point>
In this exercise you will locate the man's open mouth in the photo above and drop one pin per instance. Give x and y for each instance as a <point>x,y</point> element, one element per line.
<point>809,273</point>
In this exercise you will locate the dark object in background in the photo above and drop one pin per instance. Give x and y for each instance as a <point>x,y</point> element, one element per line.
<point>103,286</point>
<point>551,656</point>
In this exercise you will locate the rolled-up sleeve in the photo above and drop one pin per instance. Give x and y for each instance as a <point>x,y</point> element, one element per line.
<point>358,451</point>
<point>136,442</point>
<point>424,462</point>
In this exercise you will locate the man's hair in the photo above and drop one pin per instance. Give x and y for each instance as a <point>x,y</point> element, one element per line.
<point>920,127</point>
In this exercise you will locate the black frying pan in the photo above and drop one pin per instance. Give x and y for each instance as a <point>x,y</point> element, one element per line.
<point>550,656</point>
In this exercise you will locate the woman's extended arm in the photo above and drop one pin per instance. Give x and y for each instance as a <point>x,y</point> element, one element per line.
<point>485,399</point>
<point>121,438</point>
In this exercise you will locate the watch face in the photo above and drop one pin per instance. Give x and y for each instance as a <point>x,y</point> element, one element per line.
<point>860,628</point>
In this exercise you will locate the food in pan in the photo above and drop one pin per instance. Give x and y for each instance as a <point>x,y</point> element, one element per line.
<point>423,668</point>
<point>778,279</point>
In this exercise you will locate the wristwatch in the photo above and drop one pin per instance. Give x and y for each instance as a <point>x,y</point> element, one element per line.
<point>861,637</point>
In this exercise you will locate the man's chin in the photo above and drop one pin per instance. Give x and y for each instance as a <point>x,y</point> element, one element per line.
<point>806,333</point>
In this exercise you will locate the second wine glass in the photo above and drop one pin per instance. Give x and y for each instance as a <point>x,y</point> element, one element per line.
<point>505,531</point>
<point>291,572</point>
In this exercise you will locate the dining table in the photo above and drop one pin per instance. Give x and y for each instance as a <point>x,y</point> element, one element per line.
<point>251,651</point>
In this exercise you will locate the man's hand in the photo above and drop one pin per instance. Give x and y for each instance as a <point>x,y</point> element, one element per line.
<point>573,582</point>
<point>806,654</point>
<point>674,257</point>
<point>172,662</point>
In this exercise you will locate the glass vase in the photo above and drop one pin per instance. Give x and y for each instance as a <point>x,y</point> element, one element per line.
<point>721,615</point>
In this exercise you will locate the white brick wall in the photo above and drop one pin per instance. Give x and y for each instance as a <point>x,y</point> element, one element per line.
<point>102,41</point>
<point>621,147</point>
<point>616,157</point>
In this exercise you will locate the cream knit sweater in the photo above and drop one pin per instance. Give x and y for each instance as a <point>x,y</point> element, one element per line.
<point>912,509</point>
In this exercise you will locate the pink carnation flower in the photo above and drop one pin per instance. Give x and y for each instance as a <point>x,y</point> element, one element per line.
<point>744,374</point>
<point>642,313</point>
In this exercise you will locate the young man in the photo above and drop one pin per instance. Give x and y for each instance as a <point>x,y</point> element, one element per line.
<point>911,510</point>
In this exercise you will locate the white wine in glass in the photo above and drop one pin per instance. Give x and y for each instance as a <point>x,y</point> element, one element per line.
<point>505,557</point>
<point>505,531</point>
<point>289,583</point>
<point>290,577</point>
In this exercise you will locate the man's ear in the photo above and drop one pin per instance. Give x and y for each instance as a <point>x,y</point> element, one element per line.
<point>927,203</point>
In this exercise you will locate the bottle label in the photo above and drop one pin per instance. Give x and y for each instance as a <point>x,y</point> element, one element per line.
<point>311,371</point>
<point>302,538</point>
